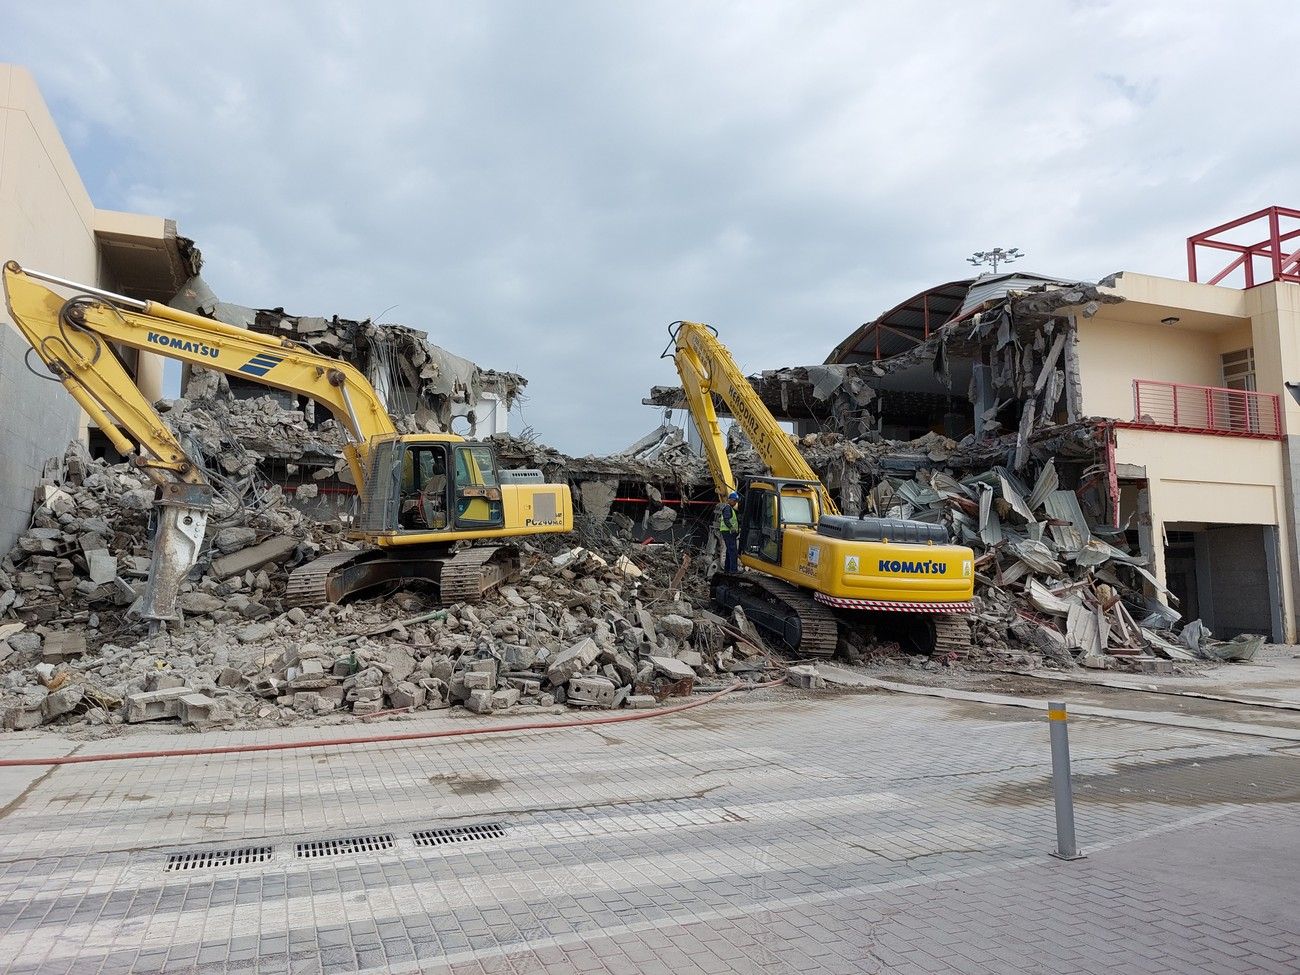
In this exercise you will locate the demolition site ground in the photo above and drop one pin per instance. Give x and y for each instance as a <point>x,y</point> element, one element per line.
<point>781,830</point>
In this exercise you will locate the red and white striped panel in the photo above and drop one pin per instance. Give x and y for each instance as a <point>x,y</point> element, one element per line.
<point>891,606</point>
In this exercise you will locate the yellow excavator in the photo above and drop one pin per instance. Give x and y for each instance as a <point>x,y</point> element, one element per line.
<point>423,499</point>
<point>811,568</point>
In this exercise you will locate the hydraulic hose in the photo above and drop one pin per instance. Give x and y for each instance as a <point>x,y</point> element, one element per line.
<point>380,739</point>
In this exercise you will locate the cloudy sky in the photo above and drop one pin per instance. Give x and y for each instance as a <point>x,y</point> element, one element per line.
<point>544,186</point>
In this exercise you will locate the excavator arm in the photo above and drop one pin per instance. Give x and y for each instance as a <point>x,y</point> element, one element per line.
<point>72,335</point>
<point>706,370</point>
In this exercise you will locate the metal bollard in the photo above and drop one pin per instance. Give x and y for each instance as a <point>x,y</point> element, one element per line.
<point>1063,795</point>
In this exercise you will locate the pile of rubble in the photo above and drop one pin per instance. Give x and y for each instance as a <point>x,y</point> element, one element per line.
<point>424,386</point>
<point>579,628</point>
<point>1051,585</point>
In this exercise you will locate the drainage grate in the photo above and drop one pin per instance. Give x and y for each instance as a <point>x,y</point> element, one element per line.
<point>345,844</point>
<point>218,858</point>
<point>458,834</point>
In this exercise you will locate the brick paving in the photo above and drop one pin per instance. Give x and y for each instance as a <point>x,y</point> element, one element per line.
<point>837,833</point>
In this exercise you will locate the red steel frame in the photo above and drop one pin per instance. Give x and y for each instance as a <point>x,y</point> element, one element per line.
<point>1284,263</point>
<point>1266,405</point>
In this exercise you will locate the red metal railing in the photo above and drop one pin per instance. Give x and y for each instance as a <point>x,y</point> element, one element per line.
<point>1206,409</point>
<point>1270,235</point>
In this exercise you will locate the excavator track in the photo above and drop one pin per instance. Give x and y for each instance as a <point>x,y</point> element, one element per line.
<point>471,573</point>
<point>309,583</point>
<point>787,614</point>
<point>952,635</point>
<point>462,576</point>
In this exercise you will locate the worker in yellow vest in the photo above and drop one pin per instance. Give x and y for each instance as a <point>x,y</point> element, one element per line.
<point>729,529</point>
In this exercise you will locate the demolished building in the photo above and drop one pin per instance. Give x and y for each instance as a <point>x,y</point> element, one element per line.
<point>1112,449</point>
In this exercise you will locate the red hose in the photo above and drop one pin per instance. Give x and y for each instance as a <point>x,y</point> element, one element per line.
<point>411,736</point>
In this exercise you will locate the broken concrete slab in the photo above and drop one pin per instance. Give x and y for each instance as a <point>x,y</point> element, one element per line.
<point>571,661</point>
<point>275,549</point>
<point>671,668</point>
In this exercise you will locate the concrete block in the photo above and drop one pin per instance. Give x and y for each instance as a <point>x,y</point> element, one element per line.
<point>677,627</point>
<point>592,692</point>
<point>805,676</point>
<point>101,567</point>
<point>475,680</point>
<point>275,549</point>
<point>641,701</point>
<point>154,705</point>
<point>486,665</point>
<point>230,540</point>
<point>200,603</point>
<point>61,646</point>
<point>332,695</point>
<point>230,677</point>
<point>407,695</point>
<point>480,701</point>
<point>161,680</point>
<point>196,709</point>
<point>366,707</point>
<point>255,633</point>
<point>526,687</point>
<point>21,717</point>
<point>572,661</point>
<point>506,698</point>
<point>517,657</point>
<point>437,694</point>
<point>671,667</point>
<point>61,702</point>
<point>691,658</point>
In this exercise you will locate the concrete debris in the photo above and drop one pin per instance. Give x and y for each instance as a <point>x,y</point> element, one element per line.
<point>606,625</point>
<point>424,386</point>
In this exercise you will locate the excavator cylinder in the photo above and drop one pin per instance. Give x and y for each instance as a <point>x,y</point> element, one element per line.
<point>182,516</point>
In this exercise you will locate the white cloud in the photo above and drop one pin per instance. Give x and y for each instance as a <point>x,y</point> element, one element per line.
<point>544,187</point>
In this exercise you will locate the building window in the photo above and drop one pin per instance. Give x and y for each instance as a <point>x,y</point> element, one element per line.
<point>1239,369</point>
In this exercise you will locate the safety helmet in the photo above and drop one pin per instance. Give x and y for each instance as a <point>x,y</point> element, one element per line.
<point>733,496</point>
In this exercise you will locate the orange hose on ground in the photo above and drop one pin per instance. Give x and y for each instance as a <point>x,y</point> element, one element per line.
<point>377,739</point>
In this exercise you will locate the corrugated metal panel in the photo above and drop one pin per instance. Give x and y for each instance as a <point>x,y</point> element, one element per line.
<point>990,287</point>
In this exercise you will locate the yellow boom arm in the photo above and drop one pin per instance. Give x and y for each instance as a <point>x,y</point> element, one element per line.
<point>706,369</point>
<point>70,337</point>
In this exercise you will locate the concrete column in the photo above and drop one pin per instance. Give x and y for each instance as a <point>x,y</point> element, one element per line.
<point>149,375</point>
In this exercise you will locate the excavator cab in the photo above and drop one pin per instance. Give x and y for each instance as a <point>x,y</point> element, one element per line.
<point>424,485</point>
<point>771,505</point>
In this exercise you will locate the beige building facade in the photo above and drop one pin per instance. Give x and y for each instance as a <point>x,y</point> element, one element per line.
<point>49,222</point>
<point>1195,377</point>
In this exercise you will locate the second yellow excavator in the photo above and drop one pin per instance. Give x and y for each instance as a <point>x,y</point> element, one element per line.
<point>424,499</point>
<point>810,568</point>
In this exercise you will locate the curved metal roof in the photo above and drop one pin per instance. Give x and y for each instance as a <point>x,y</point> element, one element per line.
<point>907,325</point>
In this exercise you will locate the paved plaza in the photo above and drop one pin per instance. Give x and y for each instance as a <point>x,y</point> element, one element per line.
<point>773,832</point>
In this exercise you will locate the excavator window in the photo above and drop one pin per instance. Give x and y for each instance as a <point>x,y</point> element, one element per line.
<point>424,489</point>
<point>762,535</point>
<point>796,510</point>
<point>478,495</point>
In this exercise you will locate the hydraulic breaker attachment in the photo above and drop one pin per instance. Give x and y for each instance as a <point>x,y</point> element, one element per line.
<point>182,516</point>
